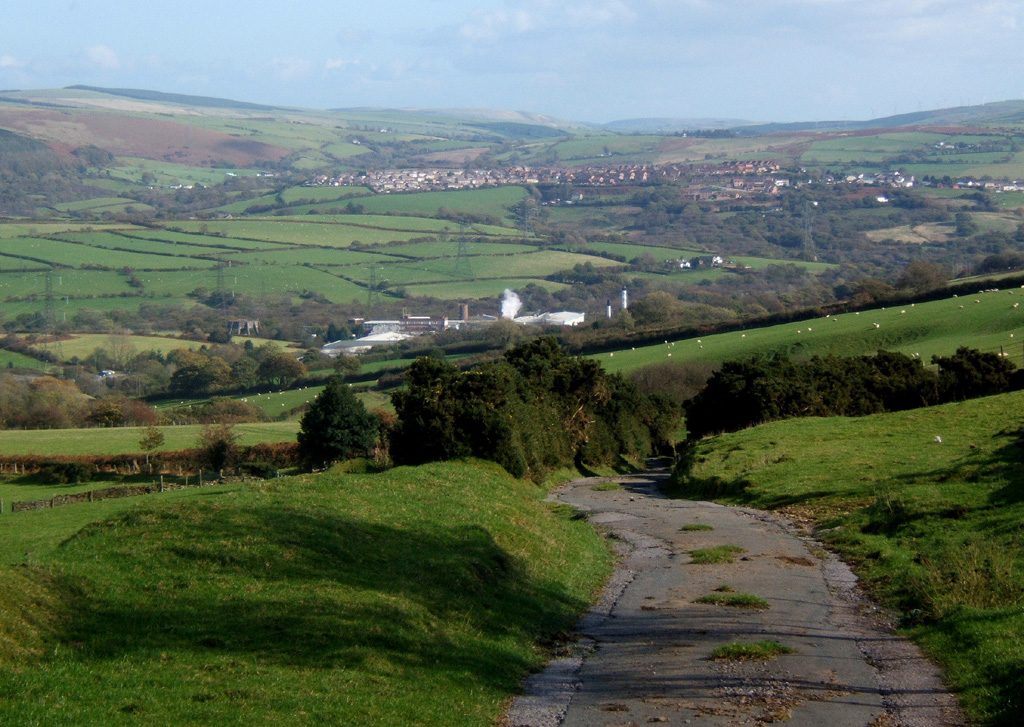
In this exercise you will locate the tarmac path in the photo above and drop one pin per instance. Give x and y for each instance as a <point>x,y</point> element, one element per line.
<point>642,656</point>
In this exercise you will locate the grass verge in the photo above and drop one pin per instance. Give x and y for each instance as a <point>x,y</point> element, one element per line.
<point>418,595</point>
<point>933,529</point>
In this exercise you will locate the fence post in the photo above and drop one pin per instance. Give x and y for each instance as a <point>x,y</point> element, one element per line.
<point>161,483</point>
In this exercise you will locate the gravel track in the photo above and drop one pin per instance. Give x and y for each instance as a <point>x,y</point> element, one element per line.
<point>642,653</point>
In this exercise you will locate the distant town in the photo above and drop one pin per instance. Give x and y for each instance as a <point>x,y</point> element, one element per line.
<point>704,182</point>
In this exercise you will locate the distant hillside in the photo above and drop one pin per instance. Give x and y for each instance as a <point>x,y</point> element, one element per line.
<point>670,125</point>
<point>177,98</point>
<point>1000,112</point>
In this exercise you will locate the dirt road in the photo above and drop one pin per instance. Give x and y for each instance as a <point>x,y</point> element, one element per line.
<point>644,653</point>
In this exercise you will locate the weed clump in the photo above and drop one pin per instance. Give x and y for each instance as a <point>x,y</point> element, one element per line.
<point>755,651</point>
<point>717,554</point>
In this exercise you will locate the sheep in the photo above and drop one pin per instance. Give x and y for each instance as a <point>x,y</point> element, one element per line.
<point>876,325</point>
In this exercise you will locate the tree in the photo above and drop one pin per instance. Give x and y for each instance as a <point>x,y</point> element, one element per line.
<point>345,365</point>
<point>280,368</point>
<point>335,427</point>
<point>218,447</point>
<point>965,224</point>
<point>152,438</point>
<point>922,276</point>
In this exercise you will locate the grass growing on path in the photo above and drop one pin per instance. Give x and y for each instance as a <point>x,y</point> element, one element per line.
<point>934,530</point>
<point>756,651</point>
<point>717,554</point>
<point>735,600</point>
<point>411,596</point>
<point>695,528</point>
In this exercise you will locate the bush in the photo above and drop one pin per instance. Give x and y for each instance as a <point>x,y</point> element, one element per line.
<point>264,470</point>
<point>218,447</point>
<point>536,410</point>
<point>69,472</point>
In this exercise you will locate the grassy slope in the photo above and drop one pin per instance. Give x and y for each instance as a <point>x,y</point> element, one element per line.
<point>934,529</point>
<point>985,321</point>
<point>413,596</point>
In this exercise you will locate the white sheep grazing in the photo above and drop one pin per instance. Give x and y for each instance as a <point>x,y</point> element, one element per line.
<point>938,439</point>
<point>876,325</point>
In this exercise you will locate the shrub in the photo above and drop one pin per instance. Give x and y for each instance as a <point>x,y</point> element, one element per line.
<point>69,472</point>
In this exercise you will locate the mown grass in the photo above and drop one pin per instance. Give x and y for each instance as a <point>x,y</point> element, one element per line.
<point>695,528</point>
<point>932,528</point>
<point>415,596</point>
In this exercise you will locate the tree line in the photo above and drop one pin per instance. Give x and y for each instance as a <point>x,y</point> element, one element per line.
<point>535,410</point>
<point>747,392</point>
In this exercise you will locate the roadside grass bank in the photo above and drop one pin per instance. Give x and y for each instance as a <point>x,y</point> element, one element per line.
<point>927,505</point>
<point>417,595</point>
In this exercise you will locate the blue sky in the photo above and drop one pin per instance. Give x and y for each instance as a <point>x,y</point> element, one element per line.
<point>762,60</point>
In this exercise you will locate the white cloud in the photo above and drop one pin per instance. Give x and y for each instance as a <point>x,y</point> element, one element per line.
<point>487,26</point>
<point>9,61</point>
<point>340,64</point>
<point>103,56</point>
<point>290,68</point>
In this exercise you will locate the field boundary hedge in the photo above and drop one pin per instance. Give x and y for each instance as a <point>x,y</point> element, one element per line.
<point>277,454</point>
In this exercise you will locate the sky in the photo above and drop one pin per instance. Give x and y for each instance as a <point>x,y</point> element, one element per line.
<point>593,60</point>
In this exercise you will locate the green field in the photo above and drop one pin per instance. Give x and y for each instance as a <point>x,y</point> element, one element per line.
<point>932,527</point>
<point>13,359</point>
<point>69,254</point>
<point>461,290</point>
<point>489,201</point>
<point>986,321</point>
<point>10,230</point>
<point>125,440</point>
<point>416,596</point>
<point>81,345</point>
